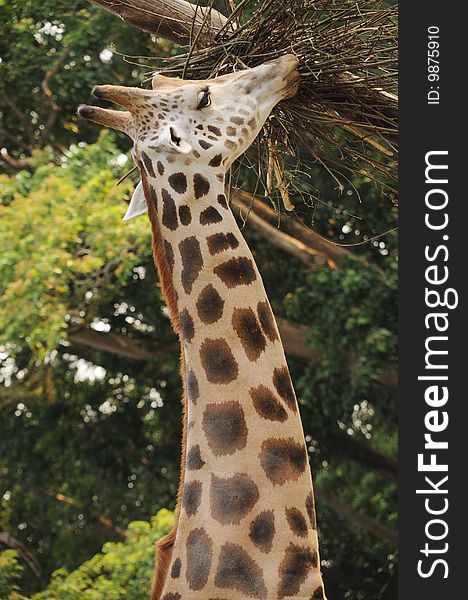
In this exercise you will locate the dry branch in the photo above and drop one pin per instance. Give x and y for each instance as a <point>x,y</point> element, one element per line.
<point>8,540</point>
<point>174,20</point>
<point>344,117</point>
<point>358,518</point>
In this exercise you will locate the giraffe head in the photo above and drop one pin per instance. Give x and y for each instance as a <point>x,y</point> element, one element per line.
<point>211,122</point>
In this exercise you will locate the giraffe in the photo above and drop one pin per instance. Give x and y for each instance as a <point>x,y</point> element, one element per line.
<point>245,518</point>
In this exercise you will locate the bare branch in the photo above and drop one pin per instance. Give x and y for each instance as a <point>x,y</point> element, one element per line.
<point>175,20</point>
<point>361,520</point>
<point>26,555</point>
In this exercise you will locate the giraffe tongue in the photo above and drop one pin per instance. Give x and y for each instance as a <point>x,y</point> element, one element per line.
<point>137,204</point>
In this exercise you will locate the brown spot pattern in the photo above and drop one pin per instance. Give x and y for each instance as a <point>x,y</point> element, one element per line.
<point>214,130</point>
<point>216,160</point>
<point>169,252</point>
<point>237,120</point>
<point>199,548</point>
<point>296,521</point>
<point>318,594</point>
<point>176,567</point>
<point>218,361</point>
<point>193,391</point>
<point>194,459</point>
<point>266,404</point>
<point>238,571</point>
<point>310,509</point>
<point>160,167</point>
<point>283,385</point>
<point>148,164</point>
<point>283,459</point>
<point>204,145</point>
<point>201,185</point>
<point>219,242</point>
<point>222,200</point>
<point>262,531</point>
<point>169,214</point>
<point>186,325</point>
<point>185,214</point>
<point>248,329</point>
<point>267,321</point>
<point>209,216</point>
<point>153,196</point>
<point>178,182</point>
<point>191,497</point>
<point>297,563</point>
<point>232,498</point>
<point>209,305</point>
<point>192,262</point>
<point>225,427</point>
<point>171,596</point>
<point>236,271</point>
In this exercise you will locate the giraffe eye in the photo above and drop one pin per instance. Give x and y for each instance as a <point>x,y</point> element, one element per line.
<point>204,99</point>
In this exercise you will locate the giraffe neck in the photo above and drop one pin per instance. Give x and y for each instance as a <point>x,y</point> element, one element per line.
<point>246,523</point>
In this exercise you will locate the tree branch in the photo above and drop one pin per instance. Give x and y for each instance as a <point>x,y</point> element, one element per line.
<point>358,518</point>
<point>105,522</point>
<point>175,20</point>
<point>26,555</point>
<point>334,254</point>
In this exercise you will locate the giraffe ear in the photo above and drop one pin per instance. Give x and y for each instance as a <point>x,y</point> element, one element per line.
<point>137,204</point>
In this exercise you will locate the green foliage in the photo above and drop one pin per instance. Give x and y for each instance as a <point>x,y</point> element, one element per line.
<point>121,570</point>
<point>10,574</point>
<point>61,240</point>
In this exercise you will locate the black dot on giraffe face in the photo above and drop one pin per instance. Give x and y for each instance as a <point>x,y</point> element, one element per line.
<point>266,404</point>
<point>187,327</point>
<point>297,563</point>
<point>236,271</point>
<point>201,185</point>
<point>262,531</point>
<point>169,214</point>
<point>176,567</point>
<point>185,214</point>
<point>225,427</point>
<point>216,160</point>
<point>265,317</point>
<point>148,164</point>
<point>209,305</point>
<point>283,385</point>
<point>296,521</point>
<point>191,497</point>
<point>194,459</point>
<point>283,459</point>
<point>193,391</point>
<point>238,571</point>
<point>192,262</point>
<point>169,252</point>
<point>199,548</point>
<point>219,242</point>
<point>209,216</point>
<point>160,167</point>
<point>222,200</point>
<point>218,361</point>
<point>248,329</point>
<point>178,182</point>
<point>310,509</point>
<point>171,596</point>
<point>232,498</point>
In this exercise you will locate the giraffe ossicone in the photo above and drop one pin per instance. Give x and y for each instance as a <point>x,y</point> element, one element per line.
<point>245,526</point>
